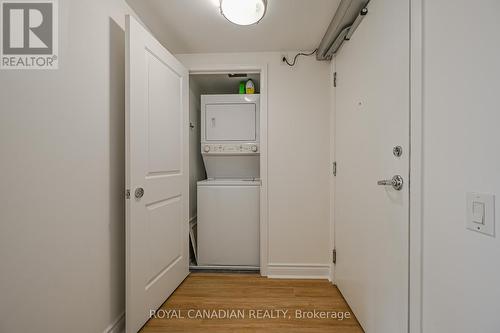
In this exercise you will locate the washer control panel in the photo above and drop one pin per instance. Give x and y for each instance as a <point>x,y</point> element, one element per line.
<point>224,148</point>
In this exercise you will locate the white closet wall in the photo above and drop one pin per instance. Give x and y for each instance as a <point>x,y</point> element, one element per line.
<point>196,168</point>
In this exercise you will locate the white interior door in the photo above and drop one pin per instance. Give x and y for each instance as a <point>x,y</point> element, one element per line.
<point>157,165</point>
<point>372,117</point>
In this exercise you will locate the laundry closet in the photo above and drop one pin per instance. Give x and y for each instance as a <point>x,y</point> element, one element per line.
<point>224,171</point>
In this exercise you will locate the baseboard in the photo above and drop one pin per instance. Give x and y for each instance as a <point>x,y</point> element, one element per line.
<point>298,271</point>
<point>118,326</point>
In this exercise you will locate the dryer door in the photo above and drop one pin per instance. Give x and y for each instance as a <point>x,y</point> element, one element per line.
<point>231,122</point>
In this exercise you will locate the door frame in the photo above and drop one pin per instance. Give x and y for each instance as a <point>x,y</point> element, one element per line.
<point>416,177</point>
<point>415,250</point>
<point>260,68</point>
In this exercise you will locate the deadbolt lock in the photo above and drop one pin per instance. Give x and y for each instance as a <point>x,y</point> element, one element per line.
<point>397,151</point>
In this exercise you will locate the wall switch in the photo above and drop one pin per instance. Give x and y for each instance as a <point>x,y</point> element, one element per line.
<point>478,212</point>
<point>481,213</point>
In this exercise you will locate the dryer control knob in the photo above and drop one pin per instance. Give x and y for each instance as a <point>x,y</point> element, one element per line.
<point>254,149</point>
<point>206,149</point>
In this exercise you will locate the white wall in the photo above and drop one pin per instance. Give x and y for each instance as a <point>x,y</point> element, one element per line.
<point>196,168</point>
<point>298,165</point>
<point>461,289</point>
<point>62,208</point>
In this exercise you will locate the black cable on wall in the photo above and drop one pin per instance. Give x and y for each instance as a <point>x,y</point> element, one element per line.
<point>291,64</point>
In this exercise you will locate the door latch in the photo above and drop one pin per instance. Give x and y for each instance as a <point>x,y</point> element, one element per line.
<point>139,192</point>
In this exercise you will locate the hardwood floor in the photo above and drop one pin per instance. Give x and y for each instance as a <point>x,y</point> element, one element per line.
<point>205,301</point>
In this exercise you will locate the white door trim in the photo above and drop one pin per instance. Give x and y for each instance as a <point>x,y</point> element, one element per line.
<point>332,176</point>
<point>416,143</point>
<point>260,68</point>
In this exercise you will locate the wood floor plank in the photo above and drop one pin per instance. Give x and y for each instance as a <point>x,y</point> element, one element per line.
<point>222,294</point>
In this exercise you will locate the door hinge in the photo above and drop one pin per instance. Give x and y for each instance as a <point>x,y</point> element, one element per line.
<point>334,256</point>
<point>334,168</point>
<point>127,194</point>
<point>335,79</point>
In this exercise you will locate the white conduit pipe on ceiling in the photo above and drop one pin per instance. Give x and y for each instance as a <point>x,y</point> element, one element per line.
<point>347,18</point>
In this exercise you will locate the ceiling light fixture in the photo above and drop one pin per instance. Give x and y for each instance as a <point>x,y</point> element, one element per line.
<point>243,12</point>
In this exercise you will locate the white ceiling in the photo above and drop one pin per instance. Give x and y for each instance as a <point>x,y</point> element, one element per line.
<point>196,26</point>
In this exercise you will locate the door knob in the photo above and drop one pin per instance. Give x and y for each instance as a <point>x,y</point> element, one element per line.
<point>396,182</point>
<point>139,192</point>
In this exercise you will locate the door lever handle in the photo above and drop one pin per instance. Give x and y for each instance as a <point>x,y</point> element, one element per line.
<point>396,182</point>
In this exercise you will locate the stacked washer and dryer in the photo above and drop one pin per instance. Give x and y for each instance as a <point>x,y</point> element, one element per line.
<point>228,200</point>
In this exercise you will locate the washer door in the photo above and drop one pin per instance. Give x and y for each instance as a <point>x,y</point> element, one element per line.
<point>228,225</point>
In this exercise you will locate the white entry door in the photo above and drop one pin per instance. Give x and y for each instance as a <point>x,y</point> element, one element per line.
<point>372,117</point>
<point>157,175</point>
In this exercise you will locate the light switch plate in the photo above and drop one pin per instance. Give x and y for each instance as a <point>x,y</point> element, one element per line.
<point>481,201</point>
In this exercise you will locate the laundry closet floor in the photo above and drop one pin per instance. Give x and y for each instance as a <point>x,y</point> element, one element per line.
<point>205,301</point>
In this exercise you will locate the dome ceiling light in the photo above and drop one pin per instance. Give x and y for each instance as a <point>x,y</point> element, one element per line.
<point>243,12</point>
